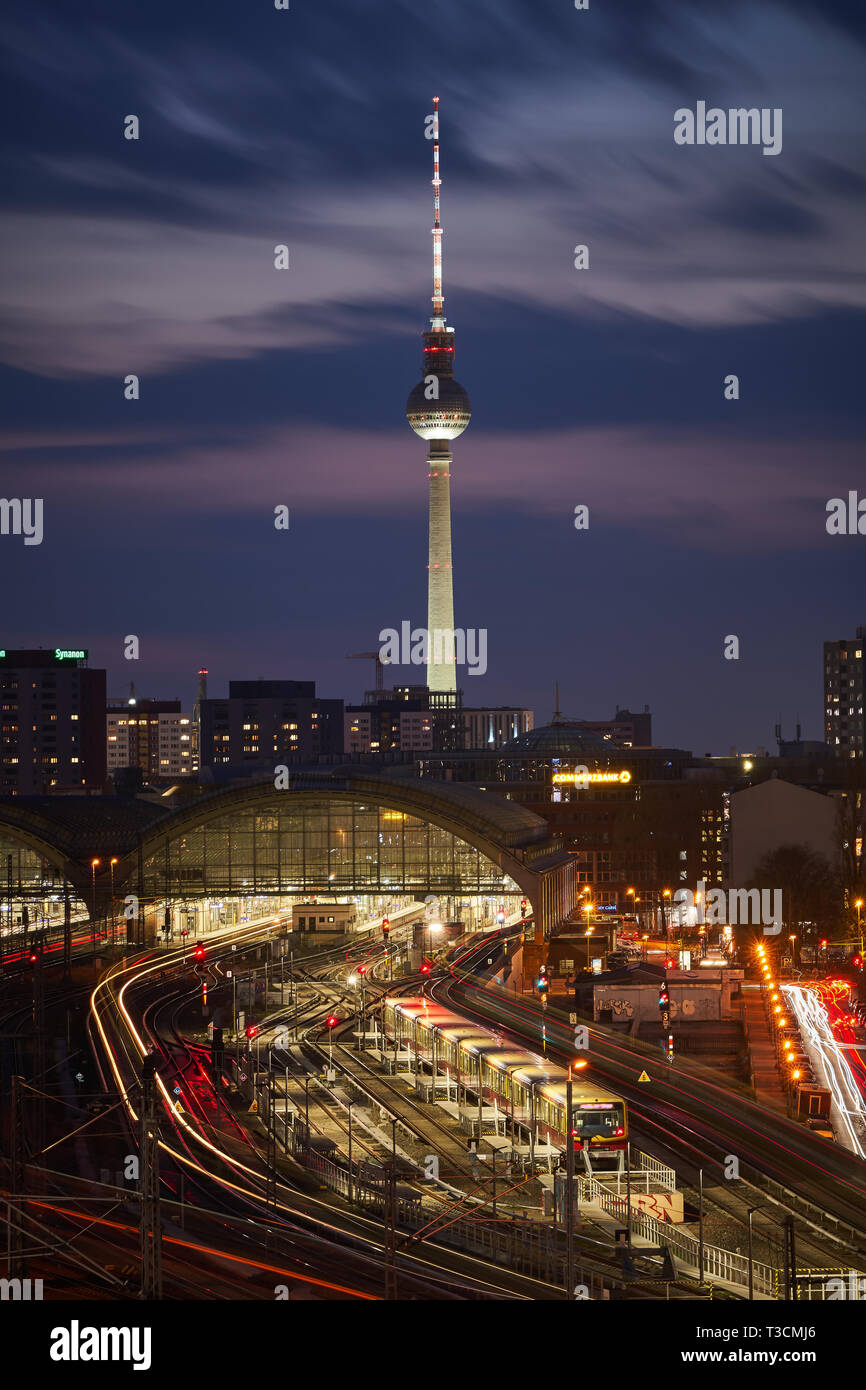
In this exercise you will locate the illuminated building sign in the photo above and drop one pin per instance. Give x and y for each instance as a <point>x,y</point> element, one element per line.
<point>590,778</point>
<point>53,656</point>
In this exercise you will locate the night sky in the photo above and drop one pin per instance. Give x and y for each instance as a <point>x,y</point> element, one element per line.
<point>603,387</point>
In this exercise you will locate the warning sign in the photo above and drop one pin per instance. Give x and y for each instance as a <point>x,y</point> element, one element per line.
<point>254,1108</point>
<point>643,1077</point>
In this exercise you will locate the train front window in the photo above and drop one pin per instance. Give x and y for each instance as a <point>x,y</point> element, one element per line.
<point>606,1120</point>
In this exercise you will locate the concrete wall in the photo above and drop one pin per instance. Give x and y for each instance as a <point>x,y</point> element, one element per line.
<point>701,996</point>
<point>776,813</point>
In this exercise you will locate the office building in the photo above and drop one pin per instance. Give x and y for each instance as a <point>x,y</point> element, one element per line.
<point>52,722</point>
<point>843,695</point>
<point>153,735</point>
<point>265,721</point>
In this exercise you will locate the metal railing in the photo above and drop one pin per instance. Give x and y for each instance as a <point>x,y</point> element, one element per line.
<point>724,1266</point>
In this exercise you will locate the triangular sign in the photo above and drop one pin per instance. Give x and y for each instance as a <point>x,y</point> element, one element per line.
<point>254,1108</point>
<point>178,1107</point>
<point>643,1077</point>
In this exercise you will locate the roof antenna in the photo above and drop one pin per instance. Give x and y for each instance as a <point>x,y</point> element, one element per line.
<point>557,715</point>
<point>438,319</point>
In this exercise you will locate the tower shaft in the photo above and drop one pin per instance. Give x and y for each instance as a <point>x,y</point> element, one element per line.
<point>438,410</point>
<point>441,671</point>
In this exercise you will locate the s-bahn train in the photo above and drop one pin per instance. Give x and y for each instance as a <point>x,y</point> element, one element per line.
<point>527,1088</point>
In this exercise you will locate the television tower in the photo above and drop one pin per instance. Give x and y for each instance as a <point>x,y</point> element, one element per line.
<point>438,410</point>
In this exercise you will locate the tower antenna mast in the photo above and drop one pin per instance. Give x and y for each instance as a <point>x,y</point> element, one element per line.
<point>438,319</point>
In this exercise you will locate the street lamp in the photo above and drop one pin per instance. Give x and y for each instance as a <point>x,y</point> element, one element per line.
<point>569,1188</point>
<point>349,1106</point>
<point>94,865</point>
<point>111,864</point>
<point>666,892</point>
<point>858,903</point>
<point>631,893</point>
<point>431,928</point>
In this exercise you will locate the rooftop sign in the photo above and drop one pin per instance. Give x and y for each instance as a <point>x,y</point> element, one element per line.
<point>582,778</point>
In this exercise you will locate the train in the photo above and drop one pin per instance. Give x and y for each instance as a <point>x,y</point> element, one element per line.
<point>528,1089</point>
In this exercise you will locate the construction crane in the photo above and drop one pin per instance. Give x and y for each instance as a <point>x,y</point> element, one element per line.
<point>370,656</point>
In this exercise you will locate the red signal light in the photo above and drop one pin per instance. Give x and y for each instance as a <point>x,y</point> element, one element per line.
<point>199,952</point>
<point>33,958</point>
<point>425,968</point>
<point>362,969</point>
<point>251,1030</point>
<point>332,1020</point>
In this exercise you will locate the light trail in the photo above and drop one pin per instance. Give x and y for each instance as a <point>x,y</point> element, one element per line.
<point>207,1250</point>
<point>188,1133</point>
<point>829,1059</point>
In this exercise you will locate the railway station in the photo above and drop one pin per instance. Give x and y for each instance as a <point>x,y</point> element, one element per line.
<point>336,836</point>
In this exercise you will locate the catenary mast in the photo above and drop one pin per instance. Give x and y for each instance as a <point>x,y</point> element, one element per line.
<point>438,410</point>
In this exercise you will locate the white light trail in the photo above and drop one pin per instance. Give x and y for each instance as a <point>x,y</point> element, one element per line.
<point>831,1065</point>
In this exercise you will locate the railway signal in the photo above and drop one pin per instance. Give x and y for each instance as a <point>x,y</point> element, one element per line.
<point>332,1022</point>
<point>664,1004</point>
<point>362,969</point>
<point>251,1030</point>
<point>426,967</point>
<point>670,1047</point>
<point>199,952</point>
<point>386,927</point>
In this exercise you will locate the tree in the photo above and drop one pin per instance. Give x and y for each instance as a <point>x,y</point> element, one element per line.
<point>811,888</point>
<point>851,814</point>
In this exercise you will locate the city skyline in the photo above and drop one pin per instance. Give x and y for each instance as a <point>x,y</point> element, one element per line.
<point>518,957</point>
<point>601,388</point>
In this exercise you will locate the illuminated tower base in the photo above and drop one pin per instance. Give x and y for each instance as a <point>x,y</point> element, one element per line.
<point>442,673</point>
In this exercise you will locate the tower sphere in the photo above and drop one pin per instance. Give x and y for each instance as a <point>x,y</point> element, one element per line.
<point>444,418</point>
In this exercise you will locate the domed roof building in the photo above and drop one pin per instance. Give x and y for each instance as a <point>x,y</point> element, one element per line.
<point>564,740</point>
